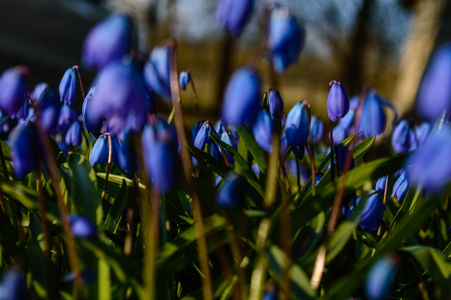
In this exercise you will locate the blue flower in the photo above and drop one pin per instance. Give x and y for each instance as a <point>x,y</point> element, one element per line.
<point>100,151</point>
<point>421,133</point>
<point>373,117</point>
<point>242,98</point>
<point>371,216</point>
<point>337,101</point>
<point>401,138</point>
<point>430,164</point>
<point>68,86</point>
<point>218,155</point>
<point>296,129</point>
<point>233,15</point>
<point>380,278</point>
<point>275,104</point>
<point>38,92</point>
<point>13,87</point>
<point>400,187</point>
<point>203,137</point>
<point>338,134</point>
<point>380,184</point>
<point>126,154</point>
<point>49,110</point>
<point>184,79</point>
<point>157,73</point>
<point>66,118</point>
<point>25,149</point>
<point>231,192</point>
<point>108,41</point>
<point>263,131</point>
<point>13,285</point>
<point>159,160</point>
<point>121,97</point>
<point>196,127</point>
<point>92,117</point>
<point>434,94</point>
<point>81,227</point>
<point>74,135</point>
<point>343,158</point>
<point>316,129</point>
<point>285,38</point>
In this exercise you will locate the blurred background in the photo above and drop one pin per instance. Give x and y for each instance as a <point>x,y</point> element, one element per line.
<point>384,44</point>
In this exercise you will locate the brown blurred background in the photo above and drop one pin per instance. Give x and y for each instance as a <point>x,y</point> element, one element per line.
<point>384,44</point>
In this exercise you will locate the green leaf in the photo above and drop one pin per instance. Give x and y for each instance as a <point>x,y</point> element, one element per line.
<point>209,161</point>
<point>85,194</point>
<point>115,214</point>
<point>257,153</point>
<point>435,263</point>
<point>299,280</point>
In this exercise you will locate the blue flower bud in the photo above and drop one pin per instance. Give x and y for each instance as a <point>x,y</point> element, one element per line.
<point>23,149</point>
<point>275,104</point>
<point>338,134</point>
<point>203,137</point>
<point>197,126</point>
<point>270,296</point>
<point>233,15</point>
<point>434,94</point>
<point>157,73</point>
<point>283,144</point>
<point>4,128</point>
<point>400,187</point>
<point>109,40</point>
<point>120,96</point>
<point>421,133</point>
<point>68,86</point>
<point>371,216</point>
<point>231,192</point>
<point>81,227</point>
<point>74,135</point>
<point>317,129</point>
<point>159,160</point>
<point>430,165</point>
<point>184,79</point>
<point>13,285</point>
<point>337,101</point>
<point>349,204</point>
<point>63,147</point>
<point>343,158</point>
<point>93,118</point>
<point>373,117</point>
<point>38,92</point>
<point>218,155</point>
<point>285,38</point>
<point>66,118</point>
<point>263,131</point>
<point>242,98</point>
<point>13,87</point>
<point>347,121</point>
<point>401,139</point>
<point>22,113</point>
<point>126,154</point>
<point>354,102</point>
<point>296,129</point>
<point>380,278</point>
<point>49,110</point>
<point>380,184</point>
<point>100,151</point>
<point>256,169</point>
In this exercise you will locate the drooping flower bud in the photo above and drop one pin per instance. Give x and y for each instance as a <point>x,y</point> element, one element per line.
<point>344,158</point>
<point>184,79</point>
<point>23,141</point>
<point>373,117</point>
<point>74,135</point>
<point>275,104</point>
<point>159,159</point>
<point>434,94</point>
<point>49,110</point>
<point>317,129</point>
<point>233,15</point>
<point>196,127</point>
<point>263,131</point>
<point>13,87</point>
<point>100,150</point>
<point>22,113</point>
<point>93,118</point>
<point>81,227</point>
<point>337,101</point>
<point>157,73</point>
<point>400,187</point>
<point>296,129</point>
<point>38,92</point>
<point>242,98</point>
<point>218,155</point>
<point>203,137</point>
<point>66,118</point>
<point>338,134</point>
<point>371,216</point>
<point>401,137</point>
<point>109,40</point>
<point>430,165</point>
<point>380,278</point>
<point>380,184</point>
<point>231,193</point>
<point>285,38</point>
<point>421,133</point>
<point>14,285</point>
<point>121,97</point>
<point>68,86</point>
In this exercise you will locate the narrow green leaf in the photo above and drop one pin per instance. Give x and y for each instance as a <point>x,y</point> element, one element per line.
<point>257,153</point>
<point>115,214</point>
